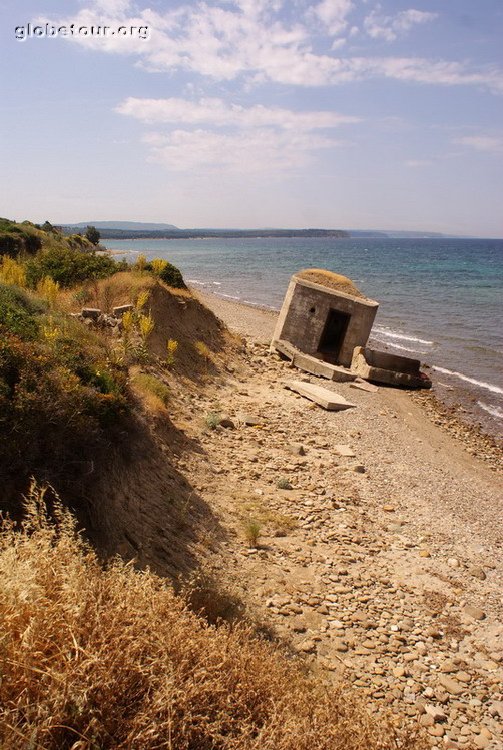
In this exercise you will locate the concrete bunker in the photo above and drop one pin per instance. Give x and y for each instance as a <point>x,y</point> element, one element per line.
<point>323,328</point>
<point>325,316</point>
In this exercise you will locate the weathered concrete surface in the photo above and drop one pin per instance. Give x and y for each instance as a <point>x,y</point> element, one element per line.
<point>305,315</point>
<point>389,369</point>
<point>312,364</point>
<point>362,385</point>
<point>322,396</point>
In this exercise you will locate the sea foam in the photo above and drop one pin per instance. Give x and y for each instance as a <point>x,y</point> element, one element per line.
<point>479,383</point>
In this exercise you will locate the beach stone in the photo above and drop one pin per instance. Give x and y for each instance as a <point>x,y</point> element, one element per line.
<point>474,612</point>
<point>297,449</point>
<point>477,572</point>
<point>227,423</point>
<point>425,553</point>
<point>451,685</point>
<point>344,450</point>
<point>250,420</point>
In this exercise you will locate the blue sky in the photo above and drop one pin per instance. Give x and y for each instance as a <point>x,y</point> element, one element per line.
<point>253,113</point>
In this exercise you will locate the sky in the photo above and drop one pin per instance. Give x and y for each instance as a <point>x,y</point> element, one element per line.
<point>255,113</point>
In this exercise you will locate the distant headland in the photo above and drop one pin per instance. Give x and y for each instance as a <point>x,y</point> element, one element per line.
<point>138,230</point>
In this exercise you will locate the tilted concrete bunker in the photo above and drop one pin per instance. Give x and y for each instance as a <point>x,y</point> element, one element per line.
<point>325,316</point>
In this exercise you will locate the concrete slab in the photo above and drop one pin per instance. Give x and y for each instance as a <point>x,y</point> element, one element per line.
<point>362,385</point>
<point>312,364</point>
<point>322,396</point>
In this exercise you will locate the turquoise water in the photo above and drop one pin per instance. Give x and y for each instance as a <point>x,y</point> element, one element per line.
<point>440,299</point>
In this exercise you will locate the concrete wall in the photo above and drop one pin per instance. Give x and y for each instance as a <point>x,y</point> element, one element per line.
<point>305,311</point>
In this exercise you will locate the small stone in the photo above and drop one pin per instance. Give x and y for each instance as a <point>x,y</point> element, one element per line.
<point>297,449</point>
<point>358,468</point>
<point>388,508</point>
<point>425,553</point>
<point>344,450</point>
<point>474,612</point>
<point>481,741</point>
<point>436,730</point>
<point>227,423</point>
<point>453,562</point>
<point>306,647</point>
<point>436,712</point>
<point>477,572</point>
<point>452,686</point>
<point>340,645</point>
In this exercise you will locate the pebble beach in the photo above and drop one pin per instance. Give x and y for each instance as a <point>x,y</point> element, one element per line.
<point>381,553</point>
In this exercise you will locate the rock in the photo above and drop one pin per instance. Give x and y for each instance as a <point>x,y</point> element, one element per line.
<point>297,449</point>
<point>340,645</point>
<point>227,423</point>
<point>452,686</point>
<point>474,612</point>
<point>496,709</point>
<point>436,712</point>
<point>91,312</point>
<point>388,508</point>
<point>358,468</point>
<point>481,741</point>
<point>249,420</point>
<point>425,553</point>
<point>477,572</point>
<point>453,562</point>
<point>344,450</point>
<point>306,647</point>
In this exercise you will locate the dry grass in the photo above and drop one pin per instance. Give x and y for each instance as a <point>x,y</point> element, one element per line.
<point>96,657</point>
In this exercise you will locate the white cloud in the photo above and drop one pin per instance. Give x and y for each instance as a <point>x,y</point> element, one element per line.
<point>218,113</point>
<point>491,144</point>
<point>379,26</point>
<point>333,14</point>
<point>249,40</point>
<point>248,152</point>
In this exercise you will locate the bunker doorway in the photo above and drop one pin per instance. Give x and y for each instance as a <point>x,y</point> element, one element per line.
<point>333,335</point>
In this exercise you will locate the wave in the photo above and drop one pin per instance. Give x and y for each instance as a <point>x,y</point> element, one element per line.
<point>403,337</point>
<point>404,348</point>
<point>230,296</point>
<point>480,383</point>
<point>494,411</point>
<point>196,281</point>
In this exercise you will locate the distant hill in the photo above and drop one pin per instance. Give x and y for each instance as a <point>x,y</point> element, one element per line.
<point>135,226</point>
<point>115,233</point>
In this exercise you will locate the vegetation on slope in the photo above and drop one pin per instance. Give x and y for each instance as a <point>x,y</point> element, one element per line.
<point>97,657</point>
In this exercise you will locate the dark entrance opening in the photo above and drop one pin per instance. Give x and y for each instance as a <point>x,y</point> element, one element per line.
<point>333,335</point>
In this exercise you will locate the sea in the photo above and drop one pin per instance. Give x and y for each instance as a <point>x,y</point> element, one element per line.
<point>440,300</point>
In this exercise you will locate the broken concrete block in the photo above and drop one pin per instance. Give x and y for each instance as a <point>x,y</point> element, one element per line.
<point>121,309</point>
<point>322,396</point>
<point>91,312</point>
<point>362,385</point>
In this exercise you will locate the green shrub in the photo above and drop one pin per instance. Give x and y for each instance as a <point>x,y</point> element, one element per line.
<point>172,276</point>
<point>212,420</point>
<point>18,313</point>
<point>69,267</point>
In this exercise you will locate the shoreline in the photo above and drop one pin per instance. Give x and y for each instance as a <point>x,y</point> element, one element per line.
<point>258,323</point>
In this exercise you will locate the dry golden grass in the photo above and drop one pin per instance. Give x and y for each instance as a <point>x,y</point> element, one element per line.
<point>95,657</point>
